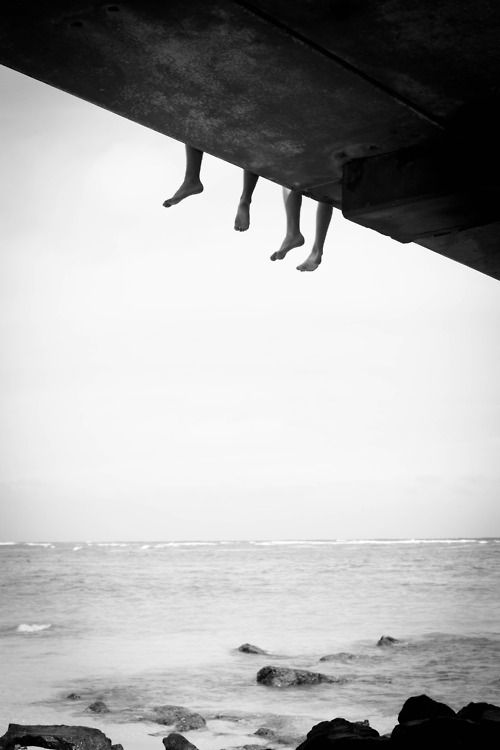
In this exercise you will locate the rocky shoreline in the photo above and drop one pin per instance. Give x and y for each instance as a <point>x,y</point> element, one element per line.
<point>423,723</point>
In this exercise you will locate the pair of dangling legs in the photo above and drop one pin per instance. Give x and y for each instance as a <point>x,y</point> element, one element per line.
<point>192,185</point>
<point>295,238</point>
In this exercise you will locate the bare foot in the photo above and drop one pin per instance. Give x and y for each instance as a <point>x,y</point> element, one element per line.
<point>185,190</point>
<point>312,261</point>
<point>242,220</point>
<point>288,244</point>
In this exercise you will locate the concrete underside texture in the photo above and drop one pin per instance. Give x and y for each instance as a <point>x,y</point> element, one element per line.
<point>372,105</point>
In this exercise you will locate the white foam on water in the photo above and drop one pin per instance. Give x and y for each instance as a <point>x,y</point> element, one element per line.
<point>48,545</point>
<point>313,542</point>
<point>75,549</point>
<point>185,544</point>
<point>25,627</point>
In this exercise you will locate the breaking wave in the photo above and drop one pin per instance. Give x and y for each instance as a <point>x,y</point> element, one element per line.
<point>25,627</point>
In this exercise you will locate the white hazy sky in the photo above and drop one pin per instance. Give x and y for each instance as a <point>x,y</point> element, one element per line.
<point>160,378</point>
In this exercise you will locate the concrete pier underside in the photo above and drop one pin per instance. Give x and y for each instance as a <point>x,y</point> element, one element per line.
<point>386,108</point>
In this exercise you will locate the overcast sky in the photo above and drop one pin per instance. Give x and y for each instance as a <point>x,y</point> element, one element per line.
<point>160,378</point>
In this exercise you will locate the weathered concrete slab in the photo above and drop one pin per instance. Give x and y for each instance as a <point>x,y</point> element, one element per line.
<point>214,75</point>
<point>478,248</point>
<point>419,191</point>
<point>438,56</point>
<point>297,92</point>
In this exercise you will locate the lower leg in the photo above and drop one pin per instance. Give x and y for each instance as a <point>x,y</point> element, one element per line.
<point>323,218</point>
<point>293,237</point>
<point>191,184</point>
<point>242,220</point>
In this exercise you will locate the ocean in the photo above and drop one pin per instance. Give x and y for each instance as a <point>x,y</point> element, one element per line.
<point>144,624</point>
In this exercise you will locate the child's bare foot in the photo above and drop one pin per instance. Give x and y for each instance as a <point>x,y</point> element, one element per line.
<point>288,244</point>
<point>185,190</point>
<point>312,261</point>
<point>242,220</point>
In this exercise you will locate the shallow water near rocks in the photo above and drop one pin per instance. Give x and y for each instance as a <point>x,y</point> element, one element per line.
<point>145,624</point>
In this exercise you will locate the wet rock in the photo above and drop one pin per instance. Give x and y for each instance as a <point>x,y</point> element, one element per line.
<point>265,732</point>
<point>420,707</point>
<point>59,737</point>
<point>341,656</point>
<point>176,741</point>
<point>487,717</point>
<point>99,707</point>
<point>285,677</point>
<point>440,732</point>
<point>227,717</point>
<point>480,712</point>
<point>249,648</point>
<point>386,641</point>
<point>282,739</point>
<point>179,717</point>
<point>73,697</point>
<point>340,733</point>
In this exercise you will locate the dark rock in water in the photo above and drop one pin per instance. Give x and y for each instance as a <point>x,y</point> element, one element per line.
<point>59,737</point>
<point>182,718</point>
<point>487,717</point>
<point>285,677</point>
<point>248,648</point>
<point>227,717</point>
<point>176,741</point>
<point>422,707</point>
<point>73,697</point>
<point>440,732</point>
<point>282,739</point>
<point>480,712</point>
<point>98,707</point>
<point>265,732</point>
<point>387,641</point>
<point>341,656</point>
<point>340,733</point>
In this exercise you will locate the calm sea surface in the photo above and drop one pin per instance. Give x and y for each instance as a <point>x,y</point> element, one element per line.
<point>144,624</point>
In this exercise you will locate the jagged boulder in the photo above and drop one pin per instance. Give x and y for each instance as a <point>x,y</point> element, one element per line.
<point>73,697</point>
<point>56,737</point>
<point>98,707</point>
<point>286,677</point>
<point>386,641</point>
<point>249,648</point>
<point>437,734</point>
<point>176,741</point>
<point>420,707</point>
<point>179,717</point>
<point>339,733</point>
<point>480,712</point>
<point>425,723</point>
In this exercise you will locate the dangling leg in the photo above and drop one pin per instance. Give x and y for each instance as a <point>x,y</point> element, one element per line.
<point>191,184</point>
<point>293,237</point>
<point>323,217</point>
<point>242,220</point>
